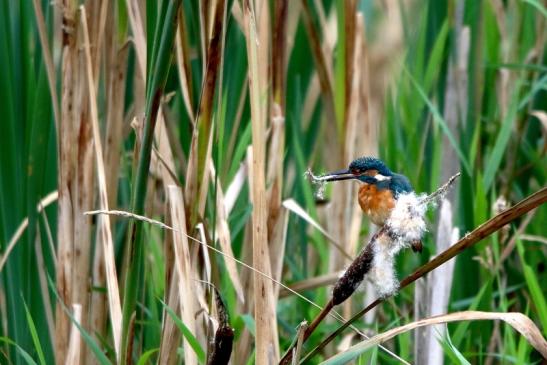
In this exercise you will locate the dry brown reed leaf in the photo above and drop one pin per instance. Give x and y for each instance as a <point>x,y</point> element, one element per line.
<point>275,164</point>
<point>343,149</point>
<point>104,223</point>
<point>328,44</point>
<point>277,215</point>
<point>279,50</point>
<point>139,39</point>
<point>171,125</point>
<point>83,167</point>
<point>205,253</point>
<point>369,127</point>
<point>510,246</point>
<point>302,327</point>
<point>67,151</point>
<point>245,342</point>
<point>170,335</point>
<point>74,342</point>
<point>115,71</point>
<point>203,7</point>
<point>262,18</point>
<point>518,321</point>
<point>203,189</point>
<point>184,67</point>
<point>200,146</point>
<point>116,66</point>
<point>266,345</point>
<point>323,71</point>
<point>277,248</point>
<point>233,190</point>
<point>224,237</point>
<point>351,43</point>
<point>48,60</point>
<point>354,80</point>
<point>327,22</point>
<point>164,162</point>
<point>183,266</point>
<point>354,138</point>
<point>212,57</point>
<point>310,100</point>
<point>43,203</point>
<point>294,207</point>
<point>97,14</point>
<point>534,238</point>
<point>203,292</point>
<point>191,186</point>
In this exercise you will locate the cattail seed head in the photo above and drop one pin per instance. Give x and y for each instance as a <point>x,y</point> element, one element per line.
<point>352,278</point>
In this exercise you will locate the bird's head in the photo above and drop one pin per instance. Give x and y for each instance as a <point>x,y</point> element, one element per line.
<point>369,170</point>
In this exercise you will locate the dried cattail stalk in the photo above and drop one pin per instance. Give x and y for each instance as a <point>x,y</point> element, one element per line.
<point>224,336</point>
<point>352,278</point>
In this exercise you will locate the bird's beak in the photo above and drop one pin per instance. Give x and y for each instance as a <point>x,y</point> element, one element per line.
<point>338,175</point>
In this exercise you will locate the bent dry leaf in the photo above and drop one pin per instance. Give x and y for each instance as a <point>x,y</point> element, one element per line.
<point>46,201</point>
<point>518,321</point>
<point>294,207</point>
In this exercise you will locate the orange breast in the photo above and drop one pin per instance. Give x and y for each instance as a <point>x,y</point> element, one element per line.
<point>376,204</point>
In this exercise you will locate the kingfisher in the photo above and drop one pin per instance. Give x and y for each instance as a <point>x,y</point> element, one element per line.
<point>379,190</point>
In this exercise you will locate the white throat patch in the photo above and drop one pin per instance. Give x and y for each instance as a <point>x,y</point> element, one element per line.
<point>381,177</point>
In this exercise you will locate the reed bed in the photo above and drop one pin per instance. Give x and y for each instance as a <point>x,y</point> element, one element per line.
<point>154,200</point>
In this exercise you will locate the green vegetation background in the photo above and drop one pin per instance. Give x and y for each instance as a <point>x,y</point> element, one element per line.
<point>500,148</point>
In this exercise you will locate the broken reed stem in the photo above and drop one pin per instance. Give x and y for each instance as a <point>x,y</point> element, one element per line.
<point>477,235</point>
<point>299,341</point>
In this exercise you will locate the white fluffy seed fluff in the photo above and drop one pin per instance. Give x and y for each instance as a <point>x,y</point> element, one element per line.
<point>382,273</point>
<point>407,218</point>
<point>318,181</point>
<point>406,224</point>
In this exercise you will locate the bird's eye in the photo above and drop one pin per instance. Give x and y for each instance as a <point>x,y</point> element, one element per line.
<point>355,171</point>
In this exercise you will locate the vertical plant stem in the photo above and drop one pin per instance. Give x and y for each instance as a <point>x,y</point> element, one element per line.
<point>196,177</point>
<point>104,224</point>
<point>265,316</point>
<point>161,59</point>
